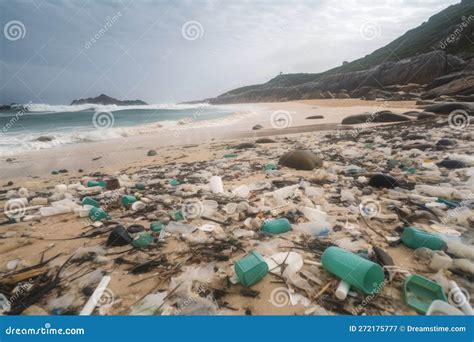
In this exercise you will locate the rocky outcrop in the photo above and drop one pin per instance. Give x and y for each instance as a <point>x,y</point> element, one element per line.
<point>377,117</point>
<point>389,80</point>
<point>107,100</point>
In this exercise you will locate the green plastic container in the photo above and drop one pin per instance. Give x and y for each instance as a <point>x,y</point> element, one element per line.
<point>90,201</point>
<point>269,167</point>
<point>419,292</point>
<point>174,182</point>
<point>415,238</point>
<point>143,239</point>
<point>128,199</point>
<point>177,216</point>
<point>97,214</point>
<point>361,273</point>
<point>230,155</point>
<point>157,226</point>
<point>140,186</point>
<point>96,183</point>
<point>278,226</point>
<point>251,269</point>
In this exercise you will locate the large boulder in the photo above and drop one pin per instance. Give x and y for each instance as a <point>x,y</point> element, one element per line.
<point>446,108</point>
<point>300,160</point>
<point>459,86</point>
<point>377,117</point>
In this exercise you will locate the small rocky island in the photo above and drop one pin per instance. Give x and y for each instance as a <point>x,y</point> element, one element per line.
<point>107,100</point>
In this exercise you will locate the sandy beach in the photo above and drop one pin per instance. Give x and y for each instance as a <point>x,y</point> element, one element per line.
<point>196,151</point>
<point>115,154</point>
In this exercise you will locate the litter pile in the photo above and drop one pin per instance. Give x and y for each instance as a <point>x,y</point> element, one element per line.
<point>375,223</point>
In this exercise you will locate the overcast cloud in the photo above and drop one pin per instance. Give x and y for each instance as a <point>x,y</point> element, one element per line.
<point>144,52</point>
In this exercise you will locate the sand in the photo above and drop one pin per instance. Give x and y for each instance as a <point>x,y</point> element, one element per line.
<point>115,154</point>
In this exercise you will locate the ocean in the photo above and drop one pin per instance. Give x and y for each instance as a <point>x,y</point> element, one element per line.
<point>20,129</point>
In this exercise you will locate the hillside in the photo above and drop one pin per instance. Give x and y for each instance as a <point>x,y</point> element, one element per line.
<point>442,45</point>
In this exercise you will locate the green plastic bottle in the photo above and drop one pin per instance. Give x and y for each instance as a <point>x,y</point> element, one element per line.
<point>156,226</point>
<point>416,238</point>
<point>174,182</point>
<point>97,214</point>
<point>96,183</point>
<point>90,201</point>
<point>269,167</point>
<point>278,226</point>
<point>128,200</point>
<point>361,273</point>
<point>251,269</point>
<point>142,240</point>
<point>140,186</point>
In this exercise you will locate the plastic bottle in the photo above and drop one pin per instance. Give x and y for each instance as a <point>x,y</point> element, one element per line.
<point>278,226</point>
<point>415,238</point>
<point>128,200</point>
<point>315,228</point>
<point>176,227</point>
<point>441,308</point>
<point>91,184</point>
<point>57,210</point>
<point>90,201</point>
<point>216,185</point>
<point>242,191</point>
<point>60,188</point>
<point>342,290</point>
<point>39,201</point>
<point>313,214</point>
<point>139,205</point>
<point>97,214</point>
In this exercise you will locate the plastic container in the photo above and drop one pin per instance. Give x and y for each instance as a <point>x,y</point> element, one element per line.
<point>342,290</point>
<point>251,269</point>
<point>60,188</point>
<point>142,240</point>
<point>242,191</point>
<point>419,292</point>
<point>316,228</point>
<point>128,200</point>
<point>90,201</point>
<point>156,226</point>
<point>140,186</point>
<point>269,167</point>
<point>97,214</point>
<point>278,226</point>
<point>102,184</point>
<point>415,238</point>
<point>174,182</point>
<point>138,205</point>
<point>440,308</point>
<point>216,185</point>
<point>57,210</point>
<point>361,273</point>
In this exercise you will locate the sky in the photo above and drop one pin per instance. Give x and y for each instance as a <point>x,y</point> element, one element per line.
<point>161,51</point>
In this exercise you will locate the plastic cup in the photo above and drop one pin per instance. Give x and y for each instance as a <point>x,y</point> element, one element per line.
<point>216,185</point>
<point>361,273</point>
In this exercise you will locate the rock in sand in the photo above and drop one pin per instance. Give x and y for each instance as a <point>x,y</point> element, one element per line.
<point>300,160</point>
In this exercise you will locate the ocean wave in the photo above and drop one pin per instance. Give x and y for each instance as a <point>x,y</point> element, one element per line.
<point>46,108</point>
<point>14,144</point>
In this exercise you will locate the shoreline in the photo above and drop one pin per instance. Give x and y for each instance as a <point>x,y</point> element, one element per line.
<point>132,149</point>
